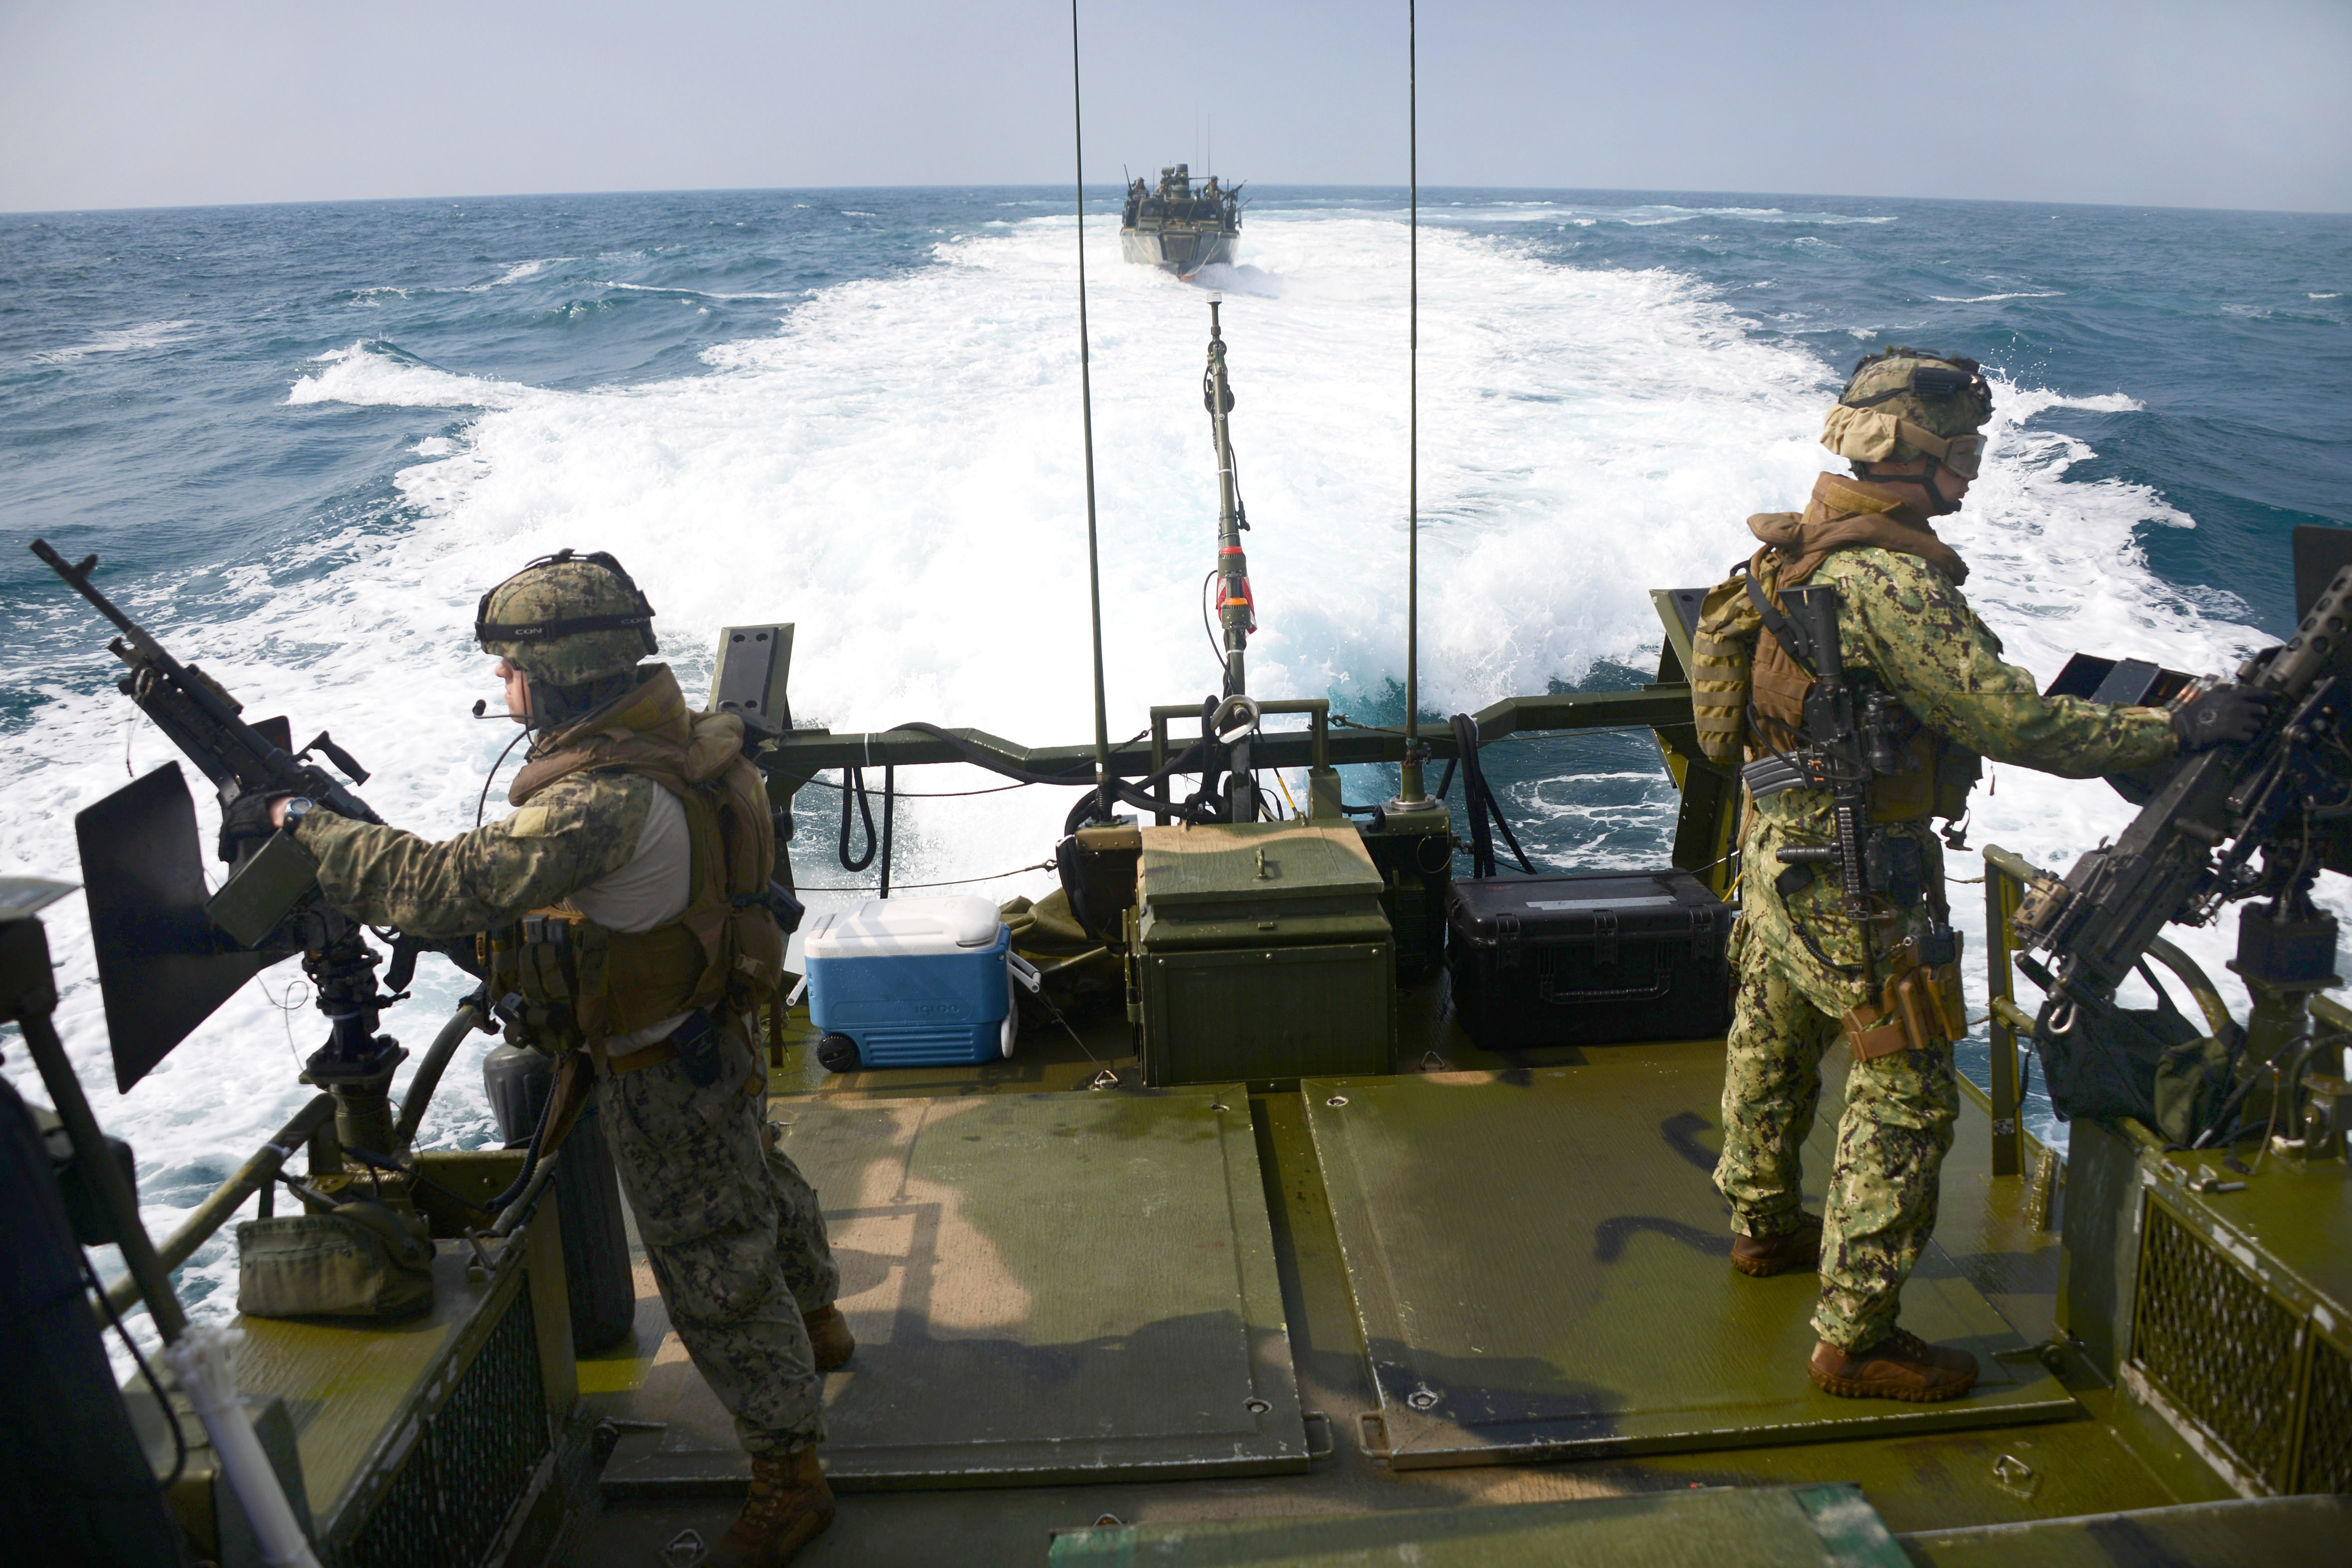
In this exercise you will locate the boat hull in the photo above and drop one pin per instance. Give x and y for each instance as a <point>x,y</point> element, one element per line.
<point>1183,251</point>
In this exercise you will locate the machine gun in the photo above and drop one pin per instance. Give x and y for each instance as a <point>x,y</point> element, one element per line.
<point>168,954</point>
<point>1850,739</point>
<point>2286,794</point>
<point>204,721</point>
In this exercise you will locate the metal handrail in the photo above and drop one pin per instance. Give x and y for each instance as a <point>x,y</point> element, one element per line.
<point>1318,736</point>
<point>226,1200</point>
<point>805,752</point>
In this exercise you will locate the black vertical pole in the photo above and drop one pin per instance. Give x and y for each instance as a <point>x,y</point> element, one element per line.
<point>1086,408</point>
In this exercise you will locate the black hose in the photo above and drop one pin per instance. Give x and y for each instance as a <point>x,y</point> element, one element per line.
<point>162,1400</point>
<point>890,803</point>
<point>530,1159</point>
<point>1478,799</point>
<point>853,797</point>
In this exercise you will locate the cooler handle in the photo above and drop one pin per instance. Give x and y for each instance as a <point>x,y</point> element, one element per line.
<point>1024,970</point>
<point>799,990</point>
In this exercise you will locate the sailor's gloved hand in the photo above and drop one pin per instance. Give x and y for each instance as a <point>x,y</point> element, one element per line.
<point>246,821</point>
<point>2225,716</point>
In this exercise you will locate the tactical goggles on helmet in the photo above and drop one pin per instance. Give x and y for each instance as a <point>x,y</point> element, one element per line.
<point>487,631</point>
<point>1964,455</point>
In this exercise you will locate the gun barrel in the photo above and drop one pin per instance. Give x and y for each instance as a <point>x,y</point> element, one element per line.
<point>202,719</point>
<point>77,576</point>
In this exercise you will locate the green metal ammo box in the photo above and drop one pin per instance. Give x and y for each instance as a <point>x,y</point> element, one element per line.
<point>1262,953</point>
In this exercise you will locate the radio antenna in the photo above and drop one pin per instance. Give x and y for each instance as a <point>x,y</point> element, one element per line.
<point>1411,794</point>
<point>1087,407</point>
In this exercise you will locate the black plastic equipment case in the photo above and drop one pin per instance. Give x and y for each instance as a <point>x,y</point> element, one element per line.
<point>1588,959</point>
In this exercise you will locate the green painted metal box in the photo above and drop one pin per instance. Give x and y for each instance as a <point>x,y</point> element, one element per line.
<point>1262,955</point>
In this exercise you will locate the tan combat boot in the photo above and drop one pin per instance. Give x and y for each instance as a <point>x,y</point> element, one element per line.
<point>1900,1366</point>
<point>790,1505</point>
<point>830,1338</point>
<point>1762,1256</point>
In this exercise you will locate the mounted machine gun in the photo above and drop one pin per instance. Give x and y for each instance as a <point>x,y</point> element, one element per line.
<point>168,954</point>
<point>2231,822</point>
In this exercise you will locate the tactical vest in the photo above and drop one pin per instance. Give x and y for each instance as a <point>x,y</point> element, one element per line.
<point>567,982</point>
<point>1747,694</point>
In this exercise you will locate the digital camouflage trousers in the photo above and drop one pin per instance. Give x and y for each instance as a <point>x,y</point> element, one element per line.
<point>1892,1136</point>
<point>735,1238</point>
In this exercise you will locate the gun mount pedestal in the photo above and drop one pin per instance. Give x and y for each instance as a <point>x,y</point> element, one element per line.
<point>2285,963</point>
<point>356,1064</point>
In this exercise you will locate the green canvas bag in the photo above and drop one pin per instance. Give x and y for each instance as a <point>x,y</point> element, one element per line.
<point>366,1259</point>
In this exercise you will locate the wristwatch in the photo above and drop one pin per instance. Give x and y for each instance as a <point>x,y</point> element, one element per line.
<point>298,807</point>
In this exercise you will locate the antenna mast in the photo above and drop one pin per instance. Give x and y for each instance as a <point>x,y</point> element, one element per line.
<point>1235,613</point>
<point>1086,405</point>
<point>1411,794</point>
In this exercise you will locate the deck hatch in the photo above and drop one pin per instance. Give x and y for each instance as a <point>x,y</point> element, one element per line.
<point>1540,1263</point>
<point>1044,1287</point>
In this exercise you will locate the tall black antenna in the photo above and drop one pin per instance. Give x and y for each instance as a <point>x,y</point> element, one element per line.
<point>1410,791</point>
<point>1086,405</point>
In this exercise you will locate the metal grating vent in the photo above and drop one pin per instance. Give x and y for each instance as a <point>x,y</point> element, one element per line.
<point>474,1459</point>
<point>2220,1347</point>
<point>2327,1464</point>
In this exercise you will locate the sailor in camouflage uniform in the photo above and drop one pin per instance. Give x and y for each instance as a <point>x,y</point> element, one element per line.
<point>609,849</point>
<point>1808,973</point>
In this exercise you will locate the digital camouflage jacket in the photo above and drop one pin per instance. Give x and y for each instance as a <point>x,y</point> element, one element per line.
<point>1903,619</point>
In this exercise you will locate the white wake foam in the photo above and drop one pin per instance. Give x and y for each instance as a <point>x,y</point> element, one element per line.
<point>374,373</point>
<point>130,340</point>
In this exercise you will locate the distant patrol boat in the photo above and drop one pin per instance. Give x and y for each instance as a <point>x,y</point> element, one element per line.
<point>1179,224</point>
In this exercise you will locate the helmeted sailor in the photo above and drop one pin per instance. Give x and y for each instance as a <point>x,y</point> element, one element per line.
<point>1809,972</point>
<point>604,904</point>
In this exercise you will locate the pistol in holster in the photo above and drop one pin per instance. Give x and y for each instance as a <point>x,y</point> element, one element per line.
<point>1919,1003</point>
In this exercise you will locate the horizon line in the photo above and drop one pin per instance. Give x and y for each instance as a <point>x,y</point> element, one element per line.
<point>785,190</point>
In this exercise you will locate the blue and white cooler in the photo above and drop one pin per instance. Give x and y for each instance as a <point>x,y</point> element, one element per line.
<point>913,983</point>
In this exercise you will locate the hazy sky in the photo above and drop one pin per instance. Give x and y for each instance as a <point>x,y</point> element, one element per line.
<point>140,103</point>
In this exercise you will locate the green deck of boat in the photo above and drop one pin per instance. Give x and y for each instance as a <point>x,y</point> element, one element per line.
<point>2233,1534</point>
<point>1540,1266</point>
<point>2107,1453</point>
<point>1758,1527</point>
<point>1050,1286</point>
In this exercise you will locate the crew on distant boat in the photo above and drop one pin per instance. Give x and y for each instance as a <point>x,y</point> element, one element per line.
<point>1174,225</point>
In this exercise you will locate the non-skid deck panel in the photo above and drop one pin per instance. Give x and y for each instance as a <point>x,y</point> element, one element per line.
<point>1759,1527</point>
<point>2197,1535</point>
<point>1540,1268</point>
<point>1044,1287</point>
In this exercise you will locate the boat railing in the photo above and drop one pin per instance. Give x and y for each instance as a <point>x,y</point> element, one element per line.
<point>259,1174</point>
<point>1661,705</point>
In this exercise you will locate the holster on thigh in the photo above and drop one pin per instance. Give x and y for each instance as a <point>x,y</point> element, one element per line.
<point>1917,1005</point>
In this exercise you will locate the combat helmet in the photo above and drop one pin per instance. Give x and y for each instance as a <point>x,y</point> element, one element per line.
<point>1903,404</point>
<point>574,623</point>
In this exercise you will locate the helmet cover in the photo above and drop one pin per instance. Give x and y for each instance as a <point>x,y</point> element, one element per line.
<point>567,619</point>
<point>1943,395</point>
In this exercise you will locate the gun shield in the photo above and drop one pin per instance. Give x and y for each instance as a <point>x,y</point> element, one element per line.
<point>162,967</point>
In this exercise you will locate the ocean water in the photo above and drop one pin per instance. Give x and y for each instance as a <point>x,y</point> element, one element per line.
<point>303,440</point>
